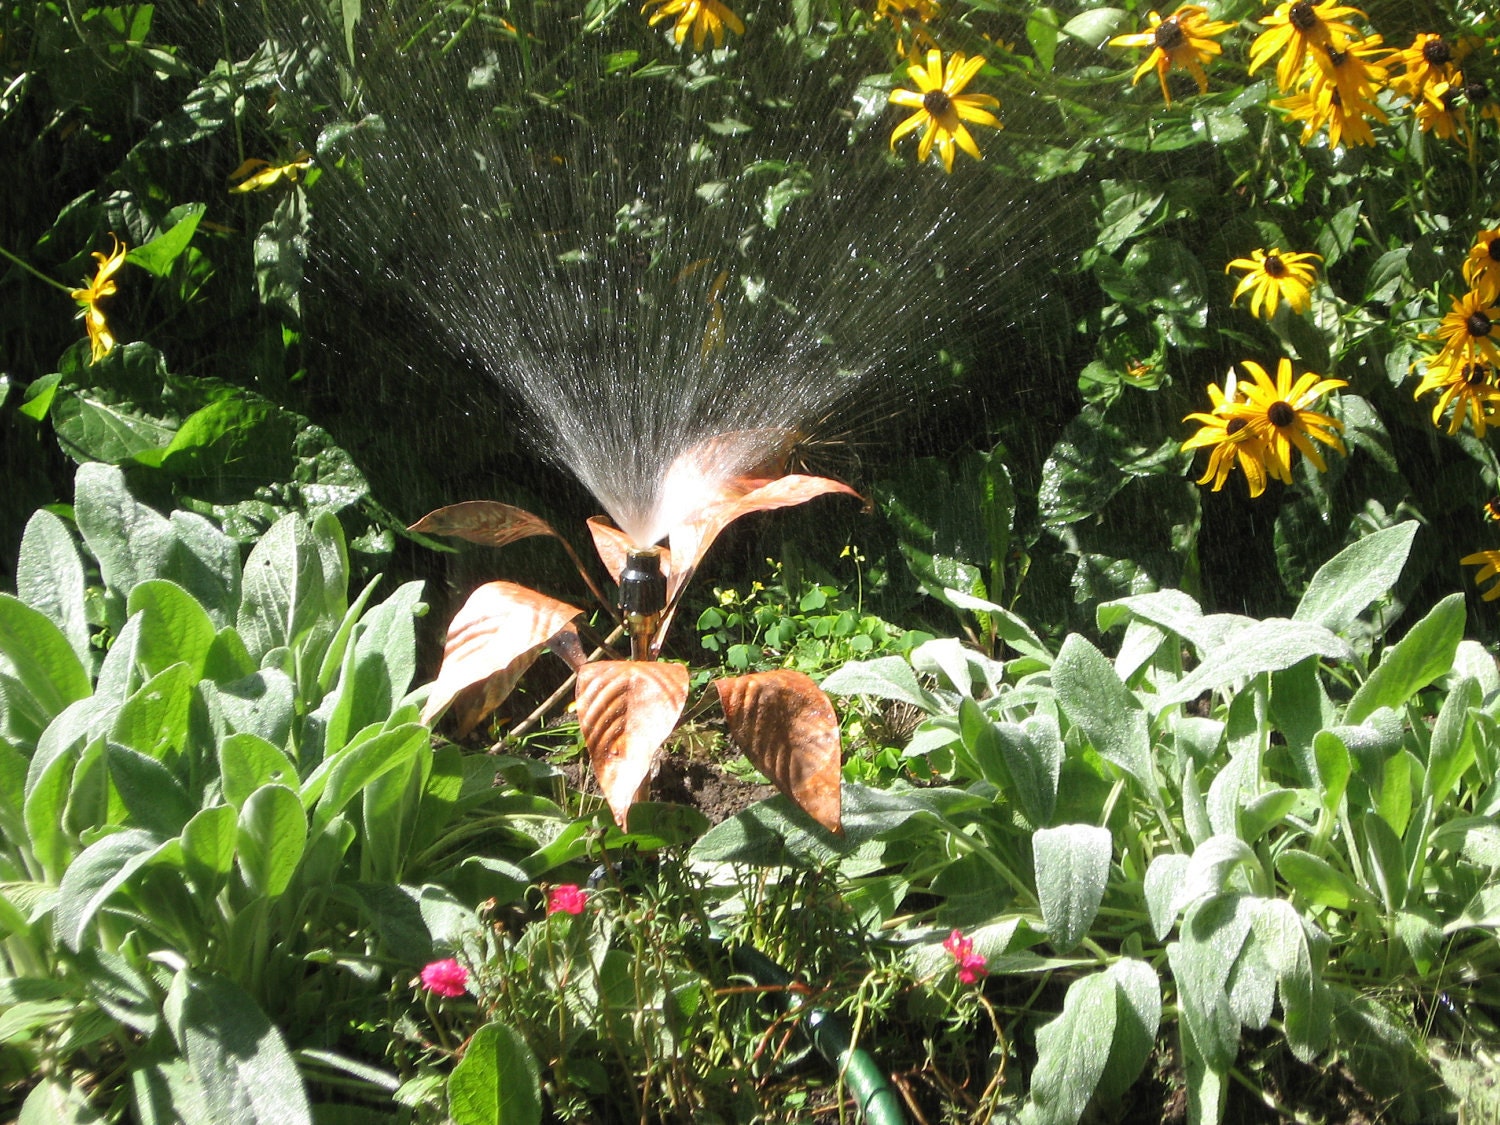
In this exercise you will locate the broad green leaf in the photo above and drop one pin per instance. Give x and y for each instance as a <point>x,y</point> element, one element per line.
<point>1281,935</point>
<point>1096,25</point>
<point>247,762</point>
<point>1385,859</point>
<point>238,440</point>
<point>154,720</point>
<point>1264,646</point>
<point>94,426</point>
<point>153,798</point>
<point>1072,867</point>
<point>100,870</point>
<point>244,1073</point>
<point>1098,703</point>
<point>1208,869</point>
<point>272,837</point>
<point>1041,33</point>
<point>385,656</point>
<point>886,677</point>
<point>175,627</point>
<point>281,254</point>
<point>283,594</point>
<point>1381,1049</point>
<point>1451,751</point>
<point>37,657</point>
<point>1212,936</point>
<point>263,704</point>
<point>1176,612</point>
<point>49,578</point>
<point>346,774</point>
<point>1072,1051</point>
<point>1419,658</point>
<point>497,1082</point>
<point>158,255</point>
<point>1354,579</point>
<point>53,1101</point>
<point>1163,878</point>
<point>1137,1019</point>
<point>1317,882</point>
<point>208,843</point>
<point>1023,761</point>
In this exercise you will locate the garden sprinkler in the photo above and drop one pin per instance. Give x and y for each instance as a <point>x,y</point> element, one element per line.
<point>643,598</point>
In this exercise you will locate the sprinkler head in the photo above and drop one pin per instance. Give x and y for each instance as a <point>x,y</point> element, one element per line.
<point>643,598</point>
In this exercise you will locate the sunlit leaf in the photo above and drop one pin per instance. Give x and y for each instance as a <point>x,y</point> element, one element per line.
<point>626,710</point>
<point>786,726</point>
<point>499,626</point>
<point>483,521</point>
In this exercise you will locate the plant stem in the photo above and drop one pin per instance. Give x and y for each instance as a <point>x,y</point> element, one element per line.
<point>34,272</point>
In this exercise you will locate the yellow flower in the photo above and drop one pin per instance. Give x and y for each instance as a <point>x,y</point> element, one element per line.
<point>1296,26</point>
<point>1322,104</point>
<point>910,17</point>
<point>1489,564</point>
<point>1477,94</point>
<point>1274,277</point>
<point>258,175</point>
<point>703,17</point>
<point>1278,413</point>
<point>1352,71</point>
<point>1235,442</point>
<point>1440,110</point>
<point>1429,59</point>
<point>1183,40</point>
<point>1471,385</point>
<point>101,339</point>
<point>1482,267</point>
<point>1468,330</point>
<point>942,109</point>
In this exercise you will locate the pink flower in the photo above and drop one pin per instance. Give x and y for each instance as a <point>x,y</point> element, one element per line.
<point>567,898</point>
<point>970,964</point>
<point>446,977</point>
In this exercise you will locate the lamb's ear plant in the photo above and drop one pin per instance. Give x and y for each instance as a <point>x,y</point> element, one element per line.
<point>218,811</point>
<point>1231,825</point>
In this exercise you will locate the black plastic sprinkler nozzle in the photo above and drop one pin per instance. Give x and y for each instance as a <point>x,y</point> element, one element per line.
<point>643,598</point>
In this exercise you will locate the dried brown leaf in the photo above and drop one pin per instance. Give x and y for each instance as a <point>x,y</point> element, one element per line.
<point>484,521</point>
<point>500,626</point>
<point>786,726</point>
<point>626,710</point>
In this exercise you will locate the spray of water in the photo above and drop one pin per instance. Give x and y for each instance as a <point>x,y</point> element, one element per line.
<point>671,266</point>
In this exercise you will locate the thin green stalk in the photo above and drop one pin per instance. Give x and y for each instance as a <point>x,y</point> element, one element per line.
<point>34,272</point>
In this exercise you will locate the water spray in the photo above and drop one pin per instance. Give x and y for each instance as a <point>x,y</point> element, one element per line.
<point>643,598</point>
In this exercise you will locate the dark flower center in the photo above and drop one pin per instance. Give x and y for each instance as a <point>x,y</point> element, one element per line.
<point>1279,414</point>
<point>1436,51</point>
<point>1336,99</point>
<point>937,103</point>
<point>1449,99</point>
<point>1234,426</point>
<point>911,13</point>
<point>1169,35</point>
<point>1478,324</point>
<point>1494,249</point>
<point>1302,16</point>
<point>1477,91</point>
<point>1476,374</point>
<point>1274,266</point>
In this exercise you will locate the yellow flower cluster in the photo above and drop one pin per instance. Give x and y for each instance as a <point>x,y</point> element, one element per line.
<point>1256,425</point>
<point>1464,371</point>
<point>1184,40</point>
<point>704,18</point>
<point>101,339</point>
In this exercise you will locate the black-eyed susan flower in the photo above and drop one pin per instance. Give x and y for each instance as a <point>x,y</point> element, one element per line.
<point>1489,566</point>
<point>910,19</point>
<point>1470,387</point>
<point>1468,330</point>
<point>1323,106</point>
<point>1278,410</point>
<point>101,339</point>
<point>1481,99</point>
<point>702,17</point>
<point>1273,277</point>
<point>942,109</point>
<point>1353,71</point>
<point>259,175</point>
<point>1482,266</point>
<point>1429,59</point>
<point>1184,40</point>
<point>1441,111</point>
<point>1234,443</point>
<point>1293,29</point>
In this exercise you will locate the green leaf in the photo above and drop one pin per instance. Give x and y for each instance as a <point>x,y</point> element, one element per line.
<point>886,677</point>
<point>154,720</point>
<point>283,595</point>
<point>1451,751</point>
<point>272,837</point>
<point>1072,866</point>
<point>1072,1051</point>
<point>281,254</point>
<point>175,628</point>
<point>1386,860</point>
<point>50,578</point>
<point>239,438</point>
<point>1212,937</point>
<point>1317,882</point>
<point>241,1066</point>
<point>1041,33</point>
<point>1281,936</point>
<point>153,798</point>
<point>1022,761</point>
<point>347,773</point>
<point>1425,653</point>
<point>100,870</point>
<point>1358,576</point>
<point>55,1102</point>
<point>349,12</point>
<point>36,404</point>
<point>247,762</point>
<point>497,1082</point>
<point>158,255</point>
<point>1093,27</point>
<point>1137,1019</point>
<point>1263,646</point>
<point>208,843</point>
<point>1098,703</point>
<point>1163,879</point>
<point>1336,236</point>
<point>385,656</point>
<point>38,659</point>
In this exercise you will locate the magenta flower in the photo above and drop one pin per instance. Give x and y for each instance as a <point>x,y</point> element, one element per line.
<point>446,977</point>
<point>970,964</point>
<point>567,898</point>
